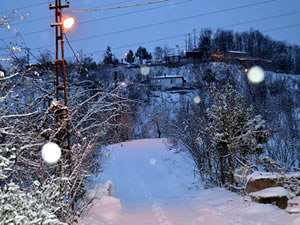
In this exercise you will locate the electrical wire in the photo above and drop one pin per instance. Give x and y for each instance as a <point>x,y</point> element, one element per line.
<point>119,7</point>
<point>166,22</point>
<point>177,36</point>
<point>49,17</point>
<point>100,19</point>
<point>71,47</point>
<point>133,12</point>
<point>26,7</point>
<point>183,35</point>
<point>282,28</point>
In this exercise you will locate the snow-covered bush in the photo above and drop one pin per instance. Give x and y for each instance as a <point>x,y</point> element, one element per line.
<point>7,158</point>
<point>35,206</point>
<point>38,204</point>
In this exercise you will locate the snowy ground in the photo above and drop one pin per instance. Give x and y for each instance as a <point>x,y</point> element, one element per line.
<point>154,186</point>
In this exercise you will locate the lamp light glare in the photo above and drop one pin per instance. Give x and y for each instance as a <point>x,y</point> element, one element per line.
<point>69,22</point>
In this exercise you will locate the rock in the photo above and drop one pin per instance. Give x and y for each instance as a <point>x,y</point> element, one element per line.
<point>294,205</point>
<point>260,180</point>
<point>254,185</point>
<point>274,195</point>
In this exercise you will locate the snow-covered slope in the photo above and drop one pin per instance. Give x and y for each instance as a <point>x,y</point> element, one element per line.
<point>155,186</point>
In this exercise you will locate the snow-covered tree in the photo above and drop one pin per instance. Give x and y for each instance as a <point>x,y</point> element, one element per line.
<point>234,134</point>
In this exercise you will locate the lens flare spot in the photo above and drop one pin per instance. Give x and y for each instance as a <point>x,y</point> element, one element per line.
<point>197,99</point>
<point>144,70</point>
<point>51,153</point>
<point>152,161</point>
<point>256,74</point>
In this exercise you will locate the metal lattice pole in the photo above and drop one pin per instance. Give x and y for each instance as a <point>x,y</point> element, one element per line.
<point>61,70</point>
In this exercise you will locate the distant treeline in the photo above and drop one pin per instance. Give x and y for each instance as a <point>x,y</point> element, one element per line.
<point>253,42</point>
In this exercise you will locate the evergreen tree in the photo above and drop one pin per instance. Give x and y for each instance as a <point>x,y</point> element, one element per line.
<point>142,53</point>
<point>108,56</point>
<point>130,57</point>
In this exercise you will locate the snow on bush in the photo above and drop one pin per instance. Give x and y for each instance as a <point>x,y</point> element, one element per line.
<point>40,204</point>
<point>26,207</point>
<point>6,161</point>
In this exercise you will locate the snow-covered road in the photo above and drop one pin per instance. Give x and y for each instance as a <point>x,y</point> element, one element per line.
<point>154,186</point>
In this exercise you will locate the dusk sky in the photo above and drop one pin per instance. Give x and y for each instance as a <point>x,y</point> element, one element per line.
<point>163,24</point>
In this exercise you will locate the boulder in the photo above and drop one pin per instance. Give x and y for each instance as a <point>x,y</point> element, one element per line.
<point>274,195</point>
<point>261,180</point>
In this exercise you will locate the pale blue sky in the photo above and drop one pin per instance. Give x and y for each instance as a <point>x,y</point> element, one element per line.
<point>125,29</point>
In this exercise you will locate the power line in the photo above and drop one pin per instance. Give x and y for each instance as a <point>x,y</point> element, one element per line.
<point>282,28</point>
<point>183,35</point>
<point>48,17</point>
<point>100,19</point>
<point>262,19</point>
<point>166,22</point>
<point>172,21</point>
<point>26,7</point>
<point>133,12</point>
<point>119,7</point>
<point>71,47</point>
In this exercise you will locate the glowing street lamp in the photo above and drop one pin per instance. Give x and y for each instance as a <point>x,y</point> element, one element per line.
<point>68,22</point>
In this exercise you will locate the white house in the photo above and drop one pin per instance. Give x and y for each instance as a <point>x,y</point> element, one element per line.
<point>164,82</point>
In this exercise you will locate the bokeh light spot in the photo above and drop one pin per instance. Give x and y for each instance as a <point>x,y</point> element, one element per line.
<point>197,99</point>
<point>256,74</point>
<point>51,153</point>
<point>144,70</point>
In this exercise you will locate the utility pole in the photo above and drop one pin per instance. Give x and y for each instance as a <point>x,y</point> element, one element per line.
<point>61,72</point>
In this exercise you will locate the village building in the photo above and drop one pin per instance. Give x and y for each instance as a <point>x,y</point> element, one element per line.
<point>165,82</point>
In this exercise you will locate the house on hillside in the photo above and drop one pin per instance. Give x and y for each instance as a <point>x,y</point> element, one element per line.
<point>173,59</point>
<point>193,55</point>
<point>165,82</point>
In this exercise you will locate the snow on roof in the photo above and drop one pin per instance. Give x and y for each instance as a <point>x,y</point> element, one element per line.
<point>174,55</point>
<point>237,52</point>
<point>271,192</point>
<point>167,76</point>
